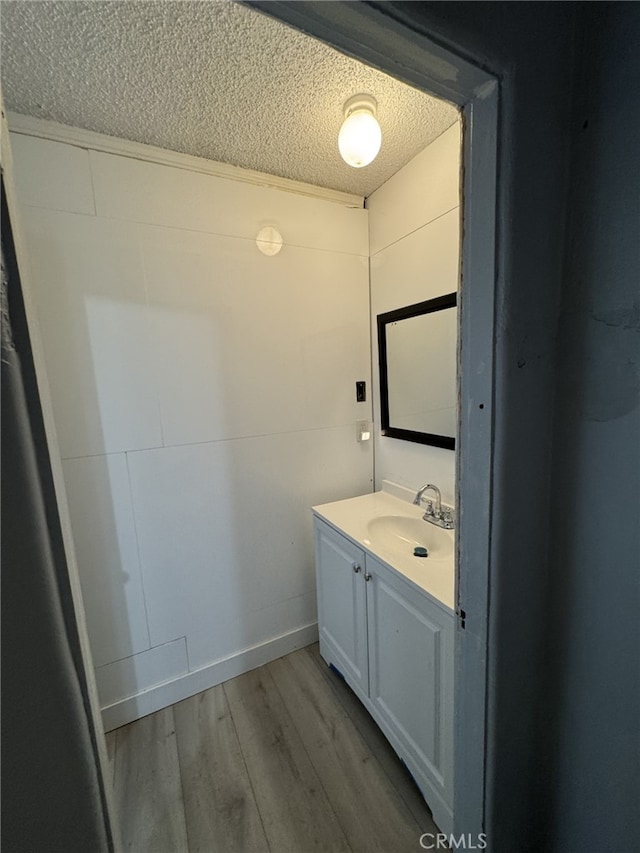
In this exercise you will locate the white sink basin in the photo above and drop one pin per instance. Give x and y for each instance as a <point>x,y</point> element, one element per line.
<point>400,534</point>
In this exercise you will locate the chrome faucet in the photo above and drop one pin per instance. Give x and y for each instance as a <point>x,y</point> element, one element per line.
<point>437,513</point>
<point>418,498</point>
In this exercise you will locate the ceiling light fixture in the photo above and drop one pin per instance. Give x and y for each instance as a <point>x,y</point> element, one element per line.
<point>360,136</point>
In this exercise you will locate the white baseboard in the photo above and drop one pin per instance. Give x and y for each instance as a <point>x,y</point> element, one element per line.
<point>161,695</point>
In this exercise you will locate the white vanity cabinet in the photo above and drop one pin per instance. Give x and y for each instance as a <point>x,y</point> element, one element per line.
<point>394,646</point>
<point>342,604</point>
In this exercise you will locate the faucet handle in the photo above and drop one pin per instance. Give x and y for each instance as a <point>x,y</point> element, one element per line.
<point>429,514</point>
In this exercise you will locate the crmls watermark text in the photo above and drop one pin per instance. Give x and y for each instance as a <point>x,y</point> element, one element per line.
<point>429,841</point>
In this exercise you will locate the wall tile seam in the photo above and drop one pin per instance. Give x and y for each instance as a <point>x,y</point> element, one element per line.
<point>145,224</point>
<point>229,659</point>
<point>186,652</point>
<point>138,553</point>
<point>280,601</point>
<point>141,652</point>
<point>414,231</point>
<point>106,453</point>
<point>457,122</point>
<point>303,246</point>
<point>332,427</point>
<point>150,335</point>
<point>93,186</point>
<point>374,368</point>
<point>28,206</point>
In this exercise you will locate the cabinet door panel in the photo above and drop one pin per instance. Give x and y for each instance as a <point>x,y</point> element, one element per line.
<point>411,671</point>
<point>342,605</point>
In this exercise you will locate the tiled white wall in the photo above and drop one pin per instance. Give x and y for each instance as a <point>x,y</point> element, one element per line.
<point>91,299</point>
<point>204,396</point>
<point>104,533</point>
<point>124,677</point>
<point>176,198</point>
<point>225,533</point>
<point>414,228</point>
<point>418,194</point>
<point>53,175</point>
<point>248,345</point>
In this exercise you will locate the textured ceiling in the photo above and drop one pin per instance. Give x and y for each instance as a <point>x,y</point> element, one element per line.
<point>213,79</point>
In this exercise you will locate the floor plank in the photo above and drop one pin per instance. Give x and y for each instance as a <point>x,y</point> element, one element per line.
<point>295,811</point>
<point>220,806</point>
<point>378,821</point>
<point>147,785</point>
<point>285,758</point>
<point>376,741</point>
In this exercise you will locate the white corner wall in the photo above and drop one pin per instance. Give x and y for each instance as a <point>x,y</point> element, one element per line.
<point>204,398</point>
<point>414,243</point>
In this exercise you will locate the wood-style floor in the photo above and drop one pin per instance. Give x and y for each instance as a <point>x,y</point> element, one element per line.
<point>284,758</point>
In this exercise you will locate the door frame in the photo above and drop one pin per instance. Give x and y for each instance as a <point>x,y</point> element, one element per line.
<point>373,34</point>
<point>44,393</point>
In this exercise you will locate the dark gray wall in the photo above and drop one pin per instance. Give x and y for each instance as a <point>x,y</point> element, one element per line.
<point>593,713</point>
<point>563,711</point>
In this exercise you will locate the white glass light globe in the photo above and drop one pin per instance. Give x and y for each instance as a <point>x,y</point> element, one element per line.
<point>360,138</point>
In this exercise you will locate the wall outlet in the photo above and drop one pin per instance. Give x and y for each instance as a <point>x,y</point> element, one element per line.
<point>363,430</point>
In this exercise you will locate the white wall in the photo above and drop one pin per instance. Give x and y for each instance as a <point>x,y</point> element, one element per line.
<point>204,398</point>
<point>414,244</point>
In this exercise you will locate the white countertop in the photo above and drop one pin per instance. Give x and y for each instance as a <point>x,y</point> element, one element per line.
<point>351,517</point>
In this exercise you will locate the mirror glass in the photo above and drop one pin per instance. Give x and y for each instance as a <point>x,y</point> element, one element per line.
<point>418,354</point>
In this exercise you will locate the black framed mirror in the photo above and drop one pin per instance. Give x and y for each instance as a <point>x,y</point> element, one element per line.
<point>417,348</point>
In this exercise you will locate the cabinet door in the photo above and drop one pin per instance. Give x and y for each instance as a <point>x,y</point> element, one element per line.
<point>342,605</point>
<point>411,675</point>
